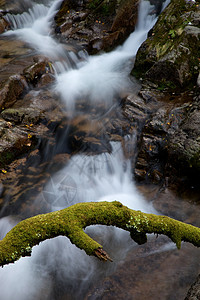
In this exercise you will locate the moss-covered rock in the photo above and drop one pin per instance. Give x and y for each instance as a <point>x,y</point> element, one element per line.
<point>170,55</point>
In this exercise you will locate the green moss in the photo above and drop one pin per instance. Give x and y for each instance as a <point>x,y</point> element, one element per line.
<point>93,4</point>
<point>71,221</point>
<point>167,85</point>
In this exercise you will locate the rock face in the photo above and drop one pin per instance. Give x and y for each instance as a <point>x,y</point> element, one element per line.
<point>169,144</point>
<point>170,55</point>
<point>184,141</point>
<point>96,25</point>
<point>168,61</point>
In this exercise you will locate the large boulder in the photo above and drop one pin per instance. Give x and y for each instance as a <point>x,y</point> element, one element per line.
<point>170,55</point>
<point>96,25</point>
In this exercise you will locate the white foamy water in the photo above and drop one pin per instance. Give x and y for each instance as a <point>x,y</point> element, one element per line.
<point>103,177</point>
<point>104,76</point>
<point>57,264</point>
<point>100,79</point>
<point>34,27</point>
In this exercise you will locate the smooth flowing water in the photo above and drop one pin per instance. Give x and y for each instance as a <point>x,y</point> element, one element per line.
<point>57,269</point>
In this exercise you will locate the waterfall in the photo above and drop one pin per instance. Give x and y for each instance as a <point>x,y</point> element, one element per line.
<point>34,27</point>
<point>85,178</point>
<point>104,76</point>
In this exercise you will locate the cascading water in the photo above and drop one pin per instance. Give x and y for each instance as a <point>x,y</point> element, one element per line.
<point>34,27</point>
<point>110,70</point>
<point>85,178</point>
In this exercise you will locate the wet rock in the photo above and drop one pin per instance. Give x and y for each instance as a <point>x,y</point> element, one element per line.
<point>169,144</point>
<point>25,115</point>
<point>14,57</point>
<point>194,291</point>
<point>185,141</point>
<point>158,6</point>
<point>88,135</point>
<point>99,25</point>
<point>36,108</point>
<point>151,158</point>
<point>12,90</point>
<point>24,182</point>
<point>45,79</point>
<point>13,142</point>
<point>4,25</point>
<point>152,263</point>
<point>30,121</point>
<point>172,61</point>
<point>40,68</point>
<point>136,109</point>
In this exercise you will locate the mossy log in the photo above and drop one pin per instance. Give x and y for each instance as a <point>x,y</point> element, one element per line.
<point>71,221</point>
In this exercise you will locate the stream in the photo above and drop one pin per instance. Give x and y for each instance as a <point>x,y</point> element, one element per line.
<point>58,270</point>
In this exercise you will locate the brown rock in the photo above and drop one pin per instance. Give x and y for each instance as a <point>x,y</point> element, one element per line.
<point>97,25</point>
<point>12,90</point>
<point>34,72</point>
<point>4,25</point>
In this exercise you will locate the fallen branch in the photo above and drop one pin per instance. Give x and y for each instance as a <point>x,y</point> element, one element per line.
<point>71,221</point>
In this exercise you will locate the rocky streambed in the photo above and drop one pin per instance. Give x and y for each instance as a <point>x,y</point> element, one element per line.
<point>160,109</point>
